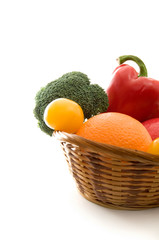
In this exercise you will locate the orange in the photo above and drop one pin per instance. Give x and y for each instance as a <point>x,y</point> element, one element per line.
<point>116,129</point>
<point>64,115</point>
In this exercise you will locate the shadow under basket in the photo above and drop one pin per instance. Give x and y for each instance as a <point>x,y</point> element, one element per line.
<point>111,176</point>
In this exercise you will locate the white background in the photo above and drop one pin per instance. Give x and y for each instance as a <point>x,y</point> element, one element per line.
<point>40,41</point>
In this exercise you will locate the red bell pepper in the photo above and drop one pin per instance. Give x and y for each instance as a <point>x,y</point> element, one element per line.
<point>132,93</point>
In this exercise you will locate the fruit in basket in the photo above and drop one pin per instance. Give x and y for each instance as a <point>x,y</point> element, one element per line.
<point>133,94</point>
<point>75,86</point>
<point>116,129</point>
<point>152,126</point>
<point>64,115</point>
<point>154,147</point>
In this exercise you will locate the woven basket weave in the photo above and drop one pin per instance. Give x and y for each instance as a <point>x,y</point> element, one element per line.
<point>111,176</point>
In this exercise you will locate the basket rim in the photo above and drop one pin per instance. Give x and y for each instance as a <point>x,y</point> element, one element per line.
<point>103,148</point>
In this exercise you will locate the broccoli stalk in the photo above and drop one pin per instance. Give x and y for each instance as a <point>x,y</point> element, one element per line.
<point>75,86</point>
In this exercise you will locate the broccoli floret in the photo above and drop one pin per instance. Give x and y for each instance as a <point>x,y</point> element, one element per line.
<point>75,86</point>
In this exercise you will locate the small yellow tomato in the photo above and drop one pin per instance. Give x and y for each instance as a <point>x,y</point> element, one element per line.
<point>154,147</point>
<point>64,115</point>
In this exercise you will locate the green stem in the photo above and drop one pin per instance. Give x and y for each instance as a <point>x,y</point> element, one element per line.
<point>142,67</point>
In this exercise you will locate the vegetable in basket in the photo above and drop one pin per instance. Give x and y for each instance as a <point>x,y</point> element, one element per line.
<point>154,147</point>
<point>152,126</point>
<point>63,114</point>
<point>75,86</point>
<point>133,94</point>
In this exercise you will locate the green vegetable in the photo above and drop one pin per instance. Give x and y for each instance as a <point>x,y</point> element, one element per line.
<point>75,86</point>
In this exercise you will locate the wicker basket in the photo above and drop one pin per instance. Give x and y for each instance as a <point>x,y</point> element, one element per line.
<point>111,176</point>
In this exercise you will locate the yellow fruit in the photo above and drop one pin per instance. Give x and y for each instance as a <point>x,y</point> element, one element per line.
<point>154,147</point>
<point>116,129</point>
<point>64,115</point>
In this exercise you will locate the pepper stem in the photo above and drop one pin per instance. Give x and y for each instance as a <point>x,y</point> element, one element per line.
<point>142,67</point>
